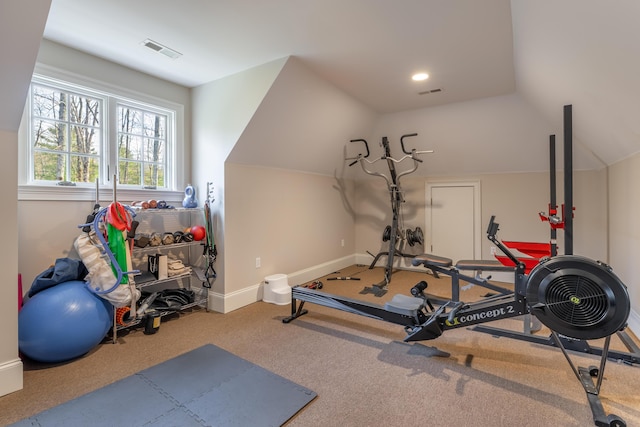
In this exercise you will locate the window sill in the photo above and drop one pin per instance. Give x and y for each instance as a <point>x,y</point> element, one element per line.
<point>61,193</point>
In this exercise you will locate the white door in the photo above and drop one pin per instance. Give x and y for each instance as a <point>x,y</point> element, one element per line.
<point>453,220</point>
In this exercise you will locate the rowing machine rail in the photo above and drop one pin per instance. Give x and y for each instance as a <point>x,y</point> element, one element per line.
<point>575,297</point>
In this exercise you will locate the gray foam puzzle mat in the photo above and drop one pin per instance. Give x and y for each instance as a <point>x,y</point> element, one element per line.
<point>207,386</point>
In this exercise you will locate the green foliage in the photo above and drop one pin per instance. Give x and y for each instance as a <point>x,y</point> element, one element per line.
<point>67,139</point>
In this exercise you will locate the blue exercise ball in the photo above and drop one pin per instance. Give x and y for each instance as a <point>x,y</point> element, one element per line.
<point>63,322</point>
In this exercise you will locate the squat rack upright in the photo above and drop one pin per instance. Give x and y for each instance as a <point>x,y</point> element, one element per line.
<point>394,232</point>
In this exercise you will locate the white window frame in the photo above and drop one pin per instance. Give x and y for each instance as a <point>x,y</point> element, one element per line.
<point>40,190</point>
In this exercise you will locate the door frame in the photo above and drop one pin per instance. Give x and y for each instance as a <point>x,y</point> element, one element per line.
<point>477,212</point>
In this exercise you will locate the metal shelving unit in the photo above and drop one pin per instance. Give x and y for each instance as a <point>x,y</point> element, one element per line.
<point>162,221</point>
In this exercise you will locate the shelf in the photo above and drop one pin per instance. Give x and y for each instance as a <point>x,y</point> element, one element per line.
<point>148,279</point>
<point>202,302</point>
<point>137,250</point>
<point>166,221</point>
<point>156,211</point>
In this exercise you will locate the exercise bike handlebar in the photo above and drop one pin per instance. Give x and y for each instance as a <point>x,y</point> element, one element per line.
<point>413,150</point>
<point>359,156</point>
<point>402,141</point>
<point>409,154</point>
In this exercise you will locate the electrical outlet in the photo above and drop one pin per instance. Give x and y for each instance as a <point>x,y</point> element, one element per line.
<point>493,250</point>
<point>258,262</point>
<point>342,243</point>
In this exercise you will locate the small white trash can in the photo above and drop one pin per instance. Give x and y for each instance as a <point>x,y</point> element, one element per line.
<point>276,289</point>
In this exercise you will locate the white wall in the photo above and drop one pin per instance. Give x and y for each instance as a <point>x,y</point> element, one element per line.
<point>276,115</point>
<point>290,220</point>
<point>10,364</point>
<point>503,134</point>
<point>582,52</point>
<point>21,27</point>
<point>624,229</point>
<point>221,111</point>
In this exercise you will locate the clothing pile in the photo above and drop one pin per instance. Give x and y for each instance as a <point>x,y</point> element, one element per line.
<point>175,267</point>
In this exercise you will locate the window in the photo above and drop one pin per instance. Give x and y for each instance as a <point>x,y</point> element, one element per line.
<point>142,141</point>
<point>66,135</point>
<point>79,135</point>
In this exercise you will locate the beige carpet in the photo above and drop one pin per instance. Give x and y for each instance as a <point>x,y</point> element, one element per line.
<point>362,371</point>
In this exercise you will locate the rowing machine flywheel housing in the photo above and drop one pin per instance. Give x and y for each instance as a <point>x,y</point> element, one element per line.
<point>578,297</point>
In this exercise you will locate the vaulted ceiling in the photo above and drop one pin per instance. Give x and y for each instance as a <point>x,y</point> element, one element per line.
<point>548,52</point>
<point>368,48</point>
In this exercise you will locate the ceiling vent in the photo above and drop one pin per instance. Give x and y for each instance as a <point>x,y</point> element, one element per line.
<point>426,92</point>
<point>161,49</point>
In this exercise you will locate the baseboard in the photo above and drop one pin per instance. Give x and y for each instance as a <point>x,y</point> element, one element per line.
<point>11,376</point>
<point>225,303</point>
<point>302,276</point>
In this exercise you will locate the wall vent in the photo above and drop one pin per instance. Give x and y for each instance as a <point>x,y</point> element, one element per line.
<point>426,92</point>
<point>161,49</point>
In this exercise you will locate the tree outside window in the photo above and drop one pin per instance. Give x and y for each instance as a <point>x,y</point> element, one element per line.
<point>67,135</point>
<point>71,139</point>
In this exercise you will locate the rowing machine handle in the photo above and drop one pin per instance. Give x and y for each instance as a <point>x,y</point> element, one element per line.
<point>402,141</point>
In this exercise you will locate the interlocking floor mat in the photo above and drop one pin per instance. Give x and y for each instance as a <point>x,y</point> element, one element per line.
<point>207,386</point>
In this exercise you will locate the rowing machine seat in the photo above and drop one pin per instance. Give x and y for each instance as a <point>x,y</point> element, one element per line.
<point>405,305</point>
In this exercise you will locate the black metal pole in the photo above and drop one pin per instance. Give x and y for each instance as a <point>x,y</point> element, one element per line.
<point>568,181</point>
<point>553,207</point>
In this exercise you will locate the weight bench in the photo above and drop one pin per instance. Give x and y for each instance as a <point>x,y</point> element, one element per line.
<point>483,265</point>
<point>438,264</point>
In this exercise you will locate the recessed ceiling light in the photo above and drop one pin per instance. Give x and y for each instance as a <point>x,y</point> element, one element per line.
<point>418,77</point>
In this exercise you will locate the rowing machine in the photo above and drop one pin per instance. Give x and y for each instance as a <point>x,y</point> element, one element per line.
<point>573,296</point>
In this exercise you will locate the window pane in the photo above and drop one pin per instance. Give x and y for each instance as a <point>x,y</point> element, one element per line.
<point>153,150</point>
<point>129,173</point>
<point>129,147</point>
<point>49,103</point>
<point>84,169</point>
<point>49,166</point>
<point>85,140</point>
<point>84,110</point>
<point>130,120</point>
<point>155,125</point>
<point>142,146</point>
<point>154,175</point>
<point>49,135</point>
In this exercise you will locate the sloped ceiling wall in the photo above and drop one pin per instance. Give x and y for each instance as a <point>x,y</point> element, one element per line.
<point>585,53</point>
<point>502,134</point>
<point>303,124</point>
<point>578,52</point>
<point>21,29</point>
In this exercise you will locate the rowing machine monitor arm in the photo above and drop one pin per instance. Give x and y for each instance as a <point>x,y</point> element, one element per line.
<point>492,230</point>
